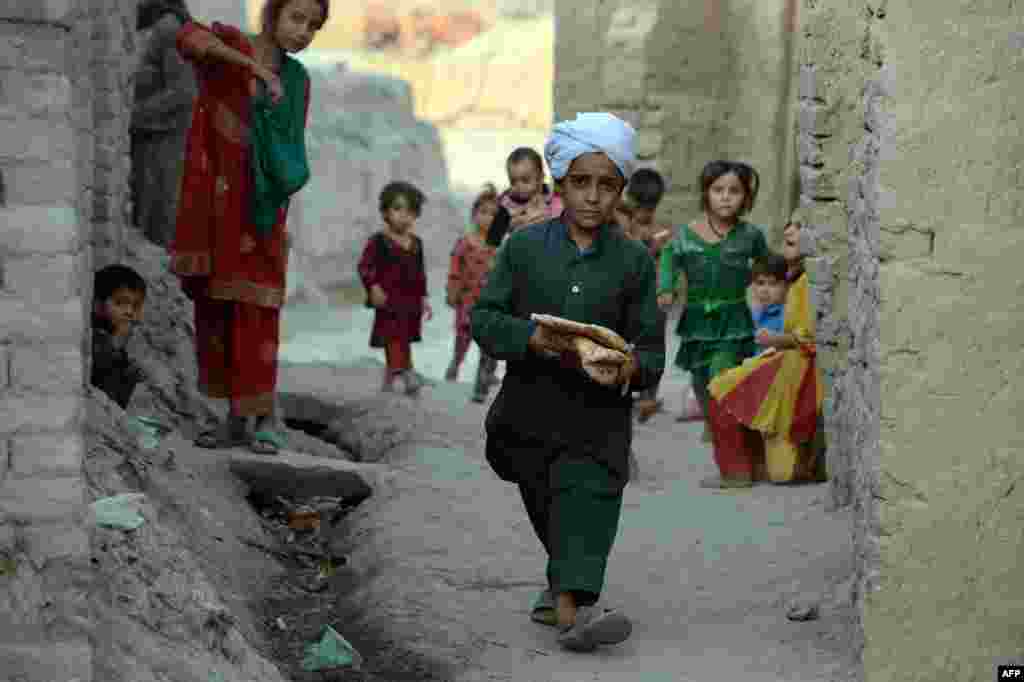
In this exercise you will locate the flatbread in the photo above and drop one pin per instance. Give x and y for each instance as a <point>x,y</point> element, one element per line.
<point>601,335</point>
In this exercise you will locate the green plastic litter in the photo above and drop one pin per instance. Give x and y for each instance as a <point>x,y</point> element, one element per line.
<point>150,431</point>
<point>332,651</point>
<point>216,676</point>
<point>119,511</point>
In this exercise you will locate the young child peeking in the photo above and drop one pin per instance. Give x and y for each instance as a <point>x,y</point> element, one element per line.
<point>393,272</point>
<point>471,260</point>
<point>527,200</point>
<point>769,289</point>
<point>119,294</point>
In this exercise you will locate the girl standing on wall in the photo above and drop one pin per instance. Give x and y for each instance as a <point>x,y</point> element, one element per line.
<point>245,157</point>
<point>714,253</point>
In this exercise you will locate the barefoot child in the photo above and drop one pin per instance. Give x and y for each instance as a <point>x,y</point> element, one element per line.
<point>119,294</point>
<point>471,260</point>
<point>244,158</point>
<point>393,272</point>
<point>714,252</point>
<point>779,395</point>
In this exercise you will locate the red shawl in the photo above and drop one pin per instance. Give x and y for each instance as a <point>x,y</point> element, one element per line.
<point>216,250</point>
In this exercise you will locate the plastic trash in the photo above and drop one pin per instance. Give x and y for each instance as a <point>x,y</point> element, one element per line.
<point>148,430</point>
<point>119,511</point>
<point>332,651</point>
<point>216,676</point>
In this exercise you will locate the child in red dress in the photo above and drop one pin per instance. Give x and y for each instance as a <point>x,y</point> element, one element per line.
<point>393,272</point>
<point>471,260</point>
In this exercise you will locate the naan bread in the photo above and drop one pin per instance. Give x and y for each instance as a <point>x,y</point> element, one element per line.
<point>602,335</point>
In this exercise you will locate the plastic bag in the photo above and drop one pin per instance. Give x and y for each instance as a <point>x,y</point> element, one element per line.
<point>332,651</point>
<point>216,676</point>
<point>148,430</point>
<point>119,511</point>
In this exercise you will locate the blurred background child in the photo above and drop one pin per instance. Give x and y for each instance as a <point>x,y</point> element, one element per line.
<point>528,199</point>
<point>393,272</point>
<point>471,260</point>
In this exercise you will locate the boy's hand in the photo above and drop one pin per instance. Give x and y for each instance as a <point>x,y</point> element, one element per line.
<point>377,296</point>
<point>549,343</point>
<point>428,310</point>
<point>665,300</point>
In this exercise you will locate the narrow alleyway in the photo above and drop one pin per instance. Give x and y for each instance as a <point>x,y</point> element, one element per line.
<point>448,554</point>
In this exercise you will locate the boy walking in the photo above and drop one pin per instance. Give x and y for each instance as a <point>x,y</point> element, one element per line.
<point>561,434</point>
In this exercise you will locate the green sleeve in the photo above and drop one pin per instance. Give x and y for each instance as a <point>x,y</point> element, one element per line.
<point>668,274</point>
<point>760,244</point>
<point>643,330</point>
<point>495,327</point>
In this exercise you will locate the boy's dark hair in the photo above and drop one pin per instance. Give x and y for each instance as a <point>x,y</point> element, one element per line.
<point>488,194</point>
<point>646,188</point>
<point>526,154</point>
<point>412,194</point>
<point>749,178</point>
<point>770,265</point>
<point>114,277</point>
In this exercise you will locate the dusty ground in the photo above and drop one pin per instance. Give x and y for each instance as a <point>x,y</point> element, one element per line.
<point>444,558</point>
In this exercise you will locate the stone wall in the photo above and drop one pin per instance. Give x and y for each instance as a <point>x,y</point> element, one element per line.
<point>699,79</point>
<point>950,203</point>
<point>44,248</point>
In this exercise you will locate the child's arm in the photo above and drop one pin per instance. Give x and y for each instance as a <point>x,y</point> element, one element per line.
<point>202,46</point>
<point>368,273</point>
<point>669,276</point>
<point>455,275</point>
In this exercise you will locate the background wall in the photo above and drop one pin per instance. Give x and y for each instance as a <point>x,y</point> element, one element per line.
<point>699,79</point>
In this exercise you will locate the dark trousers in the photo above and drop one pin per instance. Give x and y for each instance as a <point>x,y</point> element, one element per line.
<point>574,507</point>
<point>484,374</point>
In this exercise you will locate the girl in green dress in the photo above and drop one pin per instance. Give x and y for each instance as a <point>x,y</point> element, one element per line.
<point>713,253</point>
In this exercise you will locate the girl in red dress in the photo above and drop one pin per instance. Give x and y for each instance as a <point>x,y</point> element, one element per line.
<point>392,270</point>
<point>230,246</point>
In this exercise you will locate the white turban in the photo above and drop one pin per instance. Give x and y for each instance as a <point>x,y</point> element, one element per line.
<point>587,133</point>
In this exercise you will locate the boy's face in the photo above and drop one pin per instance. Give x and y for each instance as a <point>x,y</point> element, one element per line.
<point>123,308</point>
<point>590,191</point>
<point>297,25</point>
<point>484,215</point>
<point>726,196</point>
<point>769,290</point>
<point>524,179</point>
<point>399,216</point>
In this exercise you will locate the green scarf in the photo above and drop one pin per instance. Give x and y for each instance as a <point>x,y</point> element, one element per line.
<point>278,159</point>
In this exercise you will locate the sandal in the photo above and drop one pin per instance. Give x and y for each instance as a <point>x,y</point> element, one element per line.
<point>595,627</point>
<point>266,443</point>
<point>544,610</point>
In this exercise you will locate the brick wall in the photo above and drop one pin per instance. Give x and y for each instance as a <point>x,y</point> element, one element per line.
<point>44,254</point>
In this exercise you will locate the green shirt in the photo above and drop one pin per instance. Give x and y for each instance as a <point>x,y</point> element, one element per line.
<point>716,317</point>
<point>539,269</point>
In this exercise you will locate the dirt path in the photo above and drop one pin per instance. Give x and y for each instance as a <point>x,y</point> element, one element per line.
<point>444,556</point>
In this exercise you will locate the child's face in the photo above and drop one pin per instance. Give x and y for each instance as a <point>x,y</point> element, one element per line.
<point>791,243</point>
<point>123,308</point>
<point>399,216</point>
<point>297,24</point>
<point>525,180</point>
<point>725,196</point>
<point>769,290</point>
<point>590,190</point>
<point>484,215</point>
